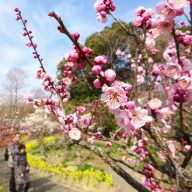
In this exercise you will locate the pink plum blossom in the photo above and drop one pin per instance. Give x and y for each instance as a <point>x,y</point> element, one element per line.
<point>140,79</point>
<point>139,117</point>
<point>165,113</point>
<point>80,110</point>
<point>184,82</point>
<point>114,97</point>
<point>172,70</point>
<point>130,105</point>
<point>155,103</point>
<point>75,134</point>
<point>138,21</point>
<point>122,117</point>
<point>176,5</point>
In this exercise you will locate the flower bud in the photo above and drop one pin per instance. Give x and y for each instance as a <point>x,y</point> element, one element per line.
<point>96,69</point>
<point>97,83</point>
<point>110,75</point>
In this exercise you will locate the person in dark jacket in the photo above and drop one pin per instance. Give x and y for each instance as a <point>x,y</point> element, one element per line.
<point>21,167</point>
<point>12,150</point>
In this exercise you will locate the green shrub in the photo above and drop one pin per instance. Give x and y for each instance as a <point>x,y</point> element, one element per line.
<point>84,166</point>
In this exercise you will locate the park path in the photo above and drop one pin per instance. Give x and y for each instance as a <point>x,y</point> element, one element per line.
<point>39,182</point>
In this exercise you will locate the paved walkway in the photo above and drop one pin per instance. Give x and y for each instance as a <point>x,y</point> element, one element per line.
<point>39,183</point>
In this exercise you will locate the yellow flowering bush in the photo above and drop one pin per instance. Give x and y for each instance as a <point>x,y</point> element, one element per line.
<point>25,138</point>
<point>31,145</point>
<point>50,140</point>
<point>88,176</point>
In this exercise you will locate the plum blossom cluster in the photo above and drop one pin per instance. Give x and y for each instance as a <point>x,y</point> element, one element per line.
<point>69,122</point>
<point>127,114</point>
<point>103,7</point>
<point>184,37</point>
<point>29,34</point>
<point>35,124</point>
<point>143,19</point>
<point>76,57</point>
<point>107,76</point>
<point>139,147</point>
<point>179,70</point>
<point>6,133</point>
<point>148,171</point>
<point>122,54</point>
<point>74,123</point>
<point>159,23</point>
<point>47,81</point>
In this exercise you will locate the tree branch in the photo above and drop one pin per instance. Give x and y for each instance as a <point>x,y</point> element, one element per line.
<point>106,158</point>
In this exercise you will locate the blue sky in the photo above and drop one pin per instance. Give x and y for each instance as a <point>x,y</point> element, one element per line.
<point>78,15</point>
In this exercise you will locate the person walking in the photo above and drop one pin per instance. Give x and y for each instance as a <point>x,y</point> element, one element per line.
<point>21,168</point>
<point>12,150</point>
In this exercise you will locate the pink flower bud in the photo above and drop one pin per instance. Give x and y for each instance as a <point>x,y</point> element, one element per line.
<point>110,75</point>
<point>17,18</point>
<point>35,46</point>
<point>76,36</point>
<point>100,60</point>
<point>108,144</point>
<point>96,69</point>
<point>130,105</point>
<point>17,10</point>
<point>28,44</point>
<point>60,29</point>
<point>85,49</point>
<point>112,7</point>
<point>97,83</point>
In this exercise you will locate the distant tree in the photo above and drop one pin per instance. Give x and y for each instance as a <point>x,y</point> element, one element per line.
<point>12,87</point>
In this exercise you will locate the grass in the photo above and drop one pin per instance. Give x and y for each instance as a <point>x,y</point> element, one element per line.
<point>70,156</point>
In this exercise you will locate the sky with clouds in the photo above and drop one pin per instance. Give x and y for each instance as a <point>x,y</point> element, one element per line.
<point>78,15</point>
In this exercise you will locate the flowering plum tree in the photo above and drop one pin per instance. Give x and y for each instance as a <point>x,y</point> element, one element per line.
<point>6,133</point>
<point>37,125</point>
<point>145,108</point>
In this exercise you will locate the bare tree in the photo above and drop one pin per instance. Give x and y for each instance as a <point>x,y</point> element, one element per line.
<point>11,88</point>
